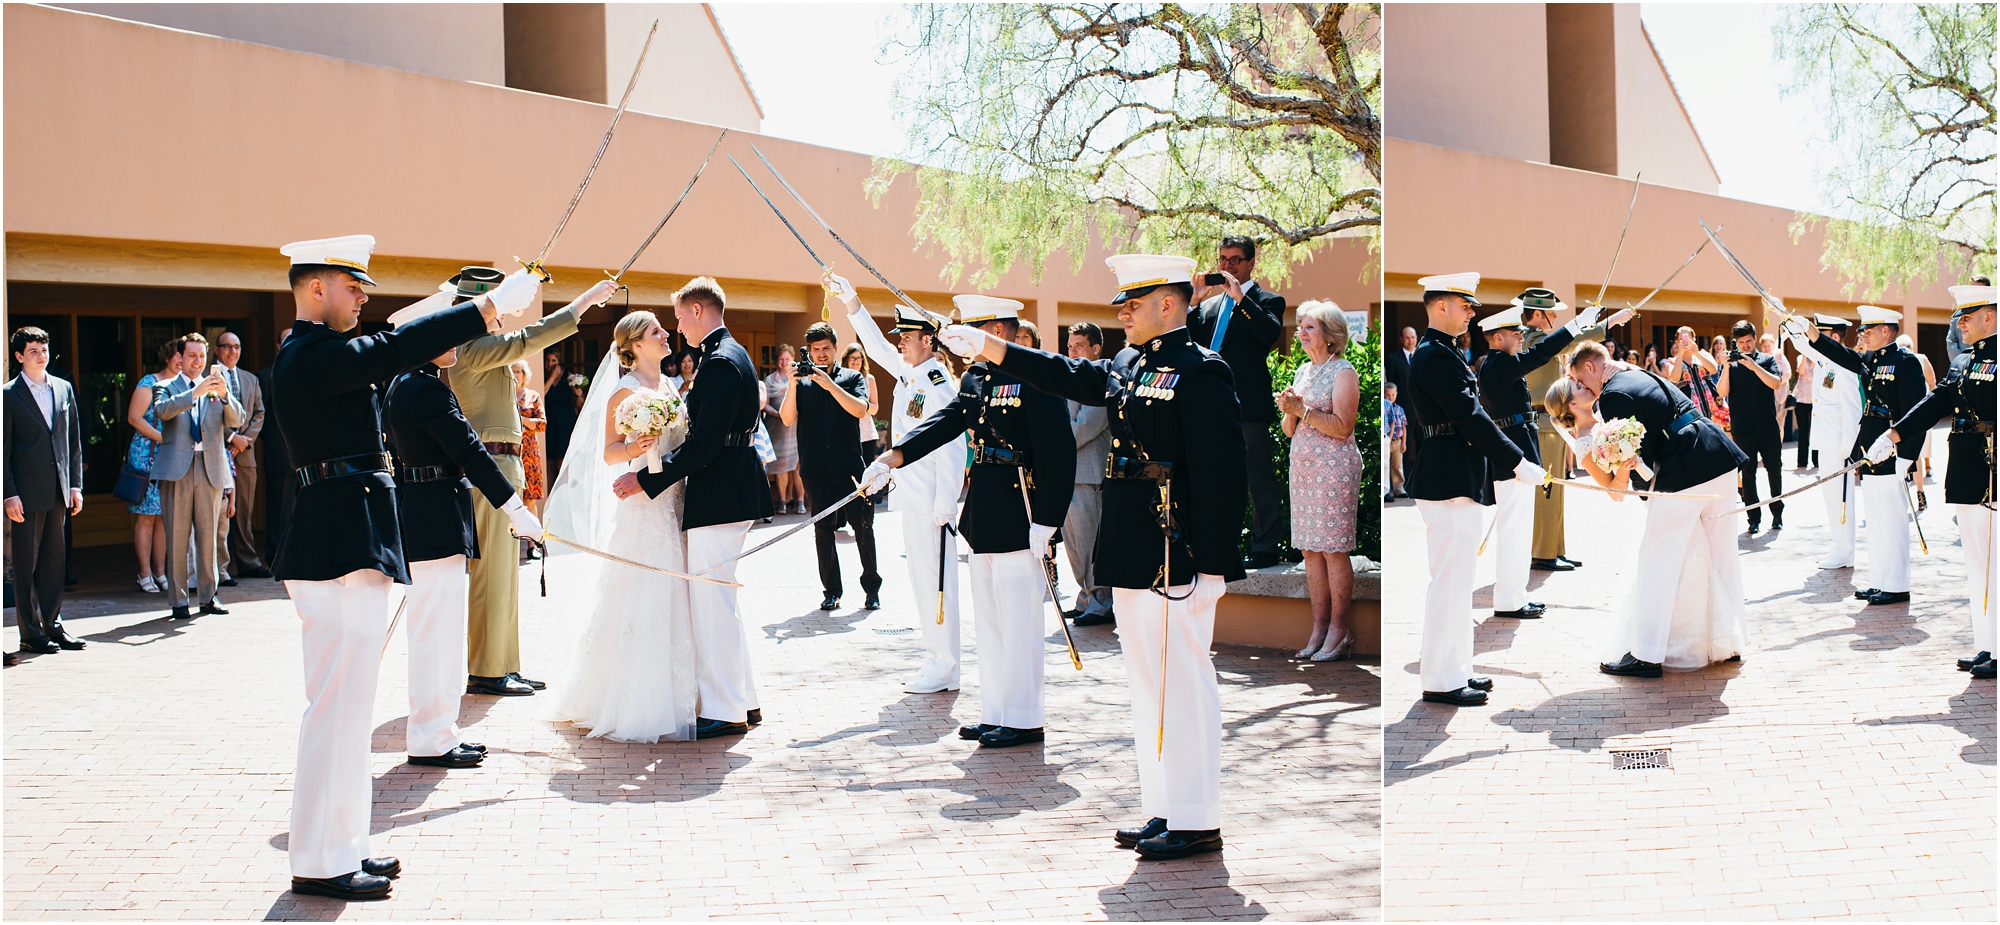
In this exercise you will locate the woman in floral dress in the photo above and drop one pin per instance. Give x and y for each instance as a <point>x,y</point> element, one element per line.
<point>149,531</point>
<point>533,422</point>
<point>1320,407</point>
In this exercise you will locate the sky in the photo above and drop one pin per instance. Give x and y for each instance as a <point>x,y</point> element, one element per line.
<point>814,69</point>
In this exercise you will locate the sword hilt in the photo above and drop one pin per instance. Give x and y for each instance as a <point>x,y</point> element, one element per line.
<point>535,267</point>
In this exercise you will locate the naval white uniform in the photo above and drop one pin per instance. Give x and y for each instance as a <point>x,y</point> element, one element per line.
<point>1835,423</point>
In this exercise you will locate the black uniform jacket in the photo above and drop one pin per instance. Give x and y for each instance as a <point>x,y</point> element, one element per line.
<point>829,438</point>
<point>1256,325</point>
<point>1892,382</point>
<point>1171,401</point>
<point>1967,395</point>
<point>725,478</point>
<point>1503,388</point>
<point>1464,461</point>
<point>323,397</point>
<point>1682,457</point>
<point>1000,412</point>
<point>426,428</point>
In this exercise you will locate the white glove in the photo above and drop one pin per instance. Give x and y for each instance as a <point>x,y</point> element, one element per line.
<point>1881,449</point>
<point>1529,473</point>
<point>1039,537</point>
<point>1793,327</point>
<point>964,340</point>
<point>596,295</point>
<point>942,519</point>
<point>841,290</point>
<point>515,293</point>
<point>876,477</point>
<point>524,522</point>
<point>1584,319</point>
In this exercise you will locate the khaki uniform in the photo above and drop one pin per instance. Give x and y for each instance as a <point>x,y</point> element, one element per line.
<point>1549,498</point>
<point>484,384</point>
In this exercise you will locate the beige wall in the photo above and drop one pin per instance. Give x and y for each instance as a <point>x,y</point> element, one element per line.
<point>690,74</point>
<point>558,49</point>
<point>1583,104</point>
<point>1655,135</point>
<point>1467,76</point>
<point>457,40</point>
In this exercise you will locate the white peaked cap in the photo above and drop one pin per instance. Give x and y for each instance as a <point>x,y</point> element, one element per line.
<point>431,304</point>
<point>1871,314</point>
<point>1964,297</point>
<point>1465,284</point>
<point>349,253</point>
<point>1139,273</point>
<point>1505,318</point>
<point>979,309</point>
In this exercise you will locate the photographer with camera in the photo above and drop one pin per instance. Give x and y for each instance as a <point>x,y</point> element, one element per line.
<point>824,401</point>
<point>1751,389</point>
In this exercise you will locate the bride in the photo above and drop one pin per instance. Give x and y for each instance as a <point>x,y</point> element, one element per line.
<point>633,676</point>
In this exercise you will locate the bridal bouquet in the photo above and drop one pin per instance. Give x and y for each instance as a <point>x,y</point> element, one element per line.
<point>648,413</point>
<point>579,381</point>
<point>1615,442</point>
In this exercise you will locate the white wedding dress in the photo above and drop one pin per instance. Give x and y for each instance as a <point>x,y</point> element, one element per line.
<point>633,676</point>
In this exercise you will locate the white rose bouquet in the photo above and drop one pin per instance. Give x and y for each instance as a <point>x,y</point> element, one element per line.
<point>648,413</point>
<point>579,381</point>
<point>1616,442</point>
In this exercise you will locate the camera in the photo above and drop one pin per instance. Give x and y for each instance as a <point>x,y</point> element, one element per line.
<point>1735,354</point>
<point>803,368</point>
<point>1214,279</point>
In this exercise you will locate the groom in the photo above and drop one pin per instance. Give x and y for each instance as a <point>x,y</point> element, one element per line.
<point>725,495</point>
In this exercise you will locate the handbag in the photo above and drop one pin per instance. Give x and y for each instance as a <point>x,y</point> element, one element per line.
<point>132,484</point>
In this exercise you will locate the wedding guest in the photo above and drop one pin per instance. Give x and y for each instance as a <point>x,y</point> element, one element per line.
<point>823,406</point>
<point>1090,424</point>
<point>534,421</point>
<point>784,471</point>
<point>1242,321</point>
<point>684,364</point>
<point>149,533</point>
<point>854,357</point>
<point>1922,467</point>
<point>240,538</point>
<point>193,467</point>
<point>1395,436</point>
<point>44,488</point>
<point>560,402</point>
<point>1750,387</point>
<point>1319,409</point>
<point>1029,336</point>
<point>1802,414</point>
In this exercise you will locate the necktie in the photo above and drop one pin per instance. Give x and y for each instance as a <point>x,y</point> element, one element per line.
<point>197,419</point>
<point>1222,324</point>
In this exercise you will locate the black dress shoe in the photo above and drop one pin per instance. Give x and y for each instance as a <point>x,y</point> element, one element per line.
<point>1550,565</point>
<point>1629,666</point>
<point>40,646</point>
<point>1866,593</point>
<point>382,867</point>
<point>1171,844</point>
<point>832,602</point>
<point>181,613</point>
<point>1965,664</point>
<point>1257,560</point>
<point>1889,597</point>
<point>1754,524</point>
<point>755,718</point>
<point>1463,697</point>
<point>1131,836</point>
<point>358,886</point>
<point>1532,610</point>
<point>458,757</point>
<point>254,573</point>
<point>1984,670</point>
<point>1573,563</point>
<point>214,607</point>
<point>973,732</point>
<point>1479,684</point>
<point>1777,521</point>
<point>874,601</point>
<point>11,659</point>
<point>705,728</point>
<point>1095,619</point>
<point>1008,737</point>
<point>469,746</point>
<point>226,583</point>
<point>537,685</point>
<point>497,687</point>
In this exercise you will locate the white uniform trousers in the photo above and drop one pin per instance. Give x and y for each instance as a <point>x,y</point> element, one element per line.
<point>1180,770</point>
<point>922,539</point>
<point>436,615</point>
<point>1451,537</point>
<point>721,645</point>
<point>1513,543</point>
<point>1842,516</point>
<point>1671,525</point>
<point>1888,530</point>
<point>1007,594</point>
<point>1975,527</point>
<point>342,623</point>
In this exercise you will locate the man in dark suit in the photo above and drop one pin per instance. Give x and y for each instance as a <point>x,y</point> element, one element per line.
<point>824,404</point>
<point>725,495</point>
<point>1398,371</point>
<point>1243,321</point>
<point>44,486</point>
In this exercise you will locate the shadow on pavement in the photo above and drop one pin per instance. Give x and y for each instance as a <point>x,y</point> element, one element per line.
<point>1583,720</point>
<point>917,719</point>
<point>1971,715</point>
<point>1001,783</point>
<point>815,623</point>
<point>1189,888</point>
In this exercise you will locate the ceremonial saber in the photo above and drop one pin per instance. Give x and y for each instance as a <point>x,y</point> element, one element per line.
<point>1912,506</point>
<point>1775,498</point>
<point>640,565</point>
<point>670,212</point>
<point>781,216</point>
<point>1048,570</point>
<point>1621,241</point>
<point>391,634</point>
<point>1676,272</point>
<point>858,492</point>
<point>1593,486</point>
<point>535,266</point>
<point>934,317</point>
<point>942,533</point>
<point>1769,299</point>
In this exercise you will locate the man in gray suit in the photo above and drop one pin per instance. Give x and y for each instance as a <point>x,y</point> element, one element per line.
<point>241,542</point>
<point>44,485</point>
<point>193,470</point>
<point>1089,424</point>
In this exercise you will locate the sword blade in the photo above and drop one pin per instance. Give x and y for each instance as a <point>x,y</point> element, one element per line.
<point>760,547</point>
<point>1802,488</point>
<point>677,206</point>
<point>934,317</point>
<point>1677,271</point>
<point>780,214</point>
<point>1763,293</point>
<point>639,565</point>
<point>1593,486</point>
<point>1621,240</point>
<point>602,146</point>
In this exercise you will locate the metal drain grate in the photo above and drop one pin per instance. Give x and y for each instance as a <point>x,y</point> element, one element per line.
<point>1642,759</point>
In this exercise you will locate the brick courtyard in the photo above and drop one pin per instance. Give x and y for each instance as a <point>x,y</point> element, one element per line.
<point>149,777</point>
<point>1843,769</point>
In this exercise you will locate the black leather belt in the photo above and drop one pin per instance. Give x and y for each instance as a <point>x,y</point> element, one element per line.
<point>1879,411</point>
<point>1437,430</point>
<point>983,455</point>
<point>739,439</point>
<point>426,473</point>
<point>1527,418</point>
<point>1126,467</point>
<point>1965,426</point>
<point>344,466</point>
<point>1674,426</point>
<point>502,449</point>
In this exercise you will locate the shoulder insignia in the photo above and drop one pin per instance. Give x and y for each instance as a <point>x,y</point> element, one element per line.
<point>938,377</point>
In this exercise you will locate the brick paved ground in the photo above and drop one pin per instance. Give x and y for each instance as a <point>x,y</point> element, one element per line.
<point>1842,770</point>
<point>149,776</point>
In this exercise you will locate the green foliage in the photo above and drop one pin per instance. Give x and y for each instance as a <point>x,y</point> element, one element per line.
<point>1161,127</point>
<point>1366,358</point>
<point>1907,95</point>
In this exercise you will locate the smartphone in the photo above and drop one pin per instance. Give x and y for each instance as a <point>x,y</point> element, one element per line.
<point>1214,279</point>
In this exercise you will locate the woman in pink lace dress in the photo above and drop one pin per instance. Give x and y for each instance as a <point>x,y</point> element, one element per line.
<point>1320,407</point>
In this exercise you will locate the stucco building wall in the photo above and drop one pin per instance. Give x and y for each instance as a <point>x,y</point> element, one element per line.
<point>462,41</point>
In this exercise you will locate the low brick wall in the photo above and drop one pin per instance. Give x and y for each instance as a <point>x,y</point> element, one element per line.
<point>1269,608</point>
